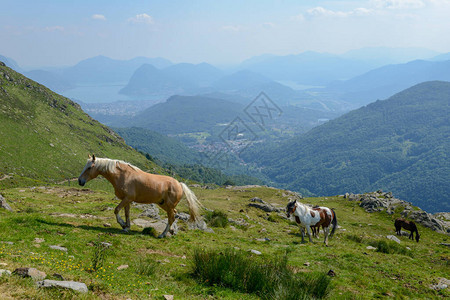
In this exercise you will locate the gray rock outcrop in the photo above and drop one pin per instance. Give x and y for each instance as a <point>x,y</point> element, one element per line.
<point>73,285</point>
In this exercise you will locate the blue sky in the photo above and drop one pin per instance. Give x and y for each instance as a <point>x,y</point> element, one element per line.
<point>55,33</point>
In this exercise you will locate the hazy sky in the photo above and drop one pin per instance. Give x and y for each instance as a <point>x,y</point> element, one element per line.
<point>59,32</point>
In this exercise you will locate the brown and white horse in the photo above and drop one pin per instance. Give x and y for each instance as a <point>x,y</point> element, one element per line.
<point>408,225</point>
<point>131,184</point>
<point>316,217</point>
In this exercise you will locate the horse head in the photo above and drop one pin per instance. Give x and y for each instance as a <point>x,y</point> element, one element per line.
<point>290,208</point>
<point>89,172</point>
<point>417,236</point>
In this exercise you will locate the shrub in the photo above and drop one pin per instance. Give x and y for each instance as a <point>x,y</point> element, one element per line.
<point>150,231</point>
<point>390,247</point>
<point>99,254</point>
<point>145,266</point>
<point>269,279</point>
<point>217,218</point>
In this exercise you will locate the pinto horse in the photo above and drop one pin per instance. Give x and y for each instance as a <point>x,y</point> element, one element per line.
<point>408,225</point>
<point>131,184</point>
<point>316,217</point>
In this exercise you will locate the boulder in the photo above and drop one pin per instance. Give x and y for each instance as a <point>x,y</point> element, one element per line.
<point>4,204</point>
<point>54,247</point>
<point>158,225</point>
<point>4,272</point>
<point>425,219</point>
<point>30,272</point>
<point>393,238</point>
<point>149,210</point>
<point>261,204</point>
<point>73,285</point>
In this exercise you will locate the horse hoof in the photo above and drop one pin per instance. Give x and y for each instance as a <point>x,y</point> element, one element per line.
<point>125,230</point>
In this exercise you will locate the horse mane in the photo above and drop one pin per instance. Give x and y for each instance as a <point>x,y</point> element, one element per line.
<point>110,165</point>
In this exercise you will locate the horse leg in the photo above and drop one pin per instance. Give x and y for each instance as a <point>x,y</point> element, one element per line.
<point>123,203</point>
<point>170,220</point>
<point>127,217</point>
<point>302,231</point>
<point>326,231</point>
<point>308,229</point>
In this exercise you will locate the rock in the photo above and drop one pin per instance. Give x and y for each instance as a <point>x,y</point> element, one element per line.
<point>149,210</point>
<point>255,252</point>
<point>331,273</point>
<point>200,225</point>
<point>30,272</point>
<point>257,200</point>
<point>263,240</point>
<point>168,297</point>
<point>39,240</point>
<point>371,248</point>
<point>122,267</point>
<point>183,216</point>
<point>260,204</point>
<point>426,219</point>
<point>73,285</point>
<point>4,204</point>
<point>4,272</point>
<point>393,238</point>
<point>158,225</point>
<point>58,248</point>
<point>107,225</point>
<point>307,264</point>
<point>442,284</point>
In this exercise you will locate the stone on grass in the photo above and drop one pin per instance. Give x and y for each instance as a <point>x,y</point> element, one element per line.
<point>371,248</point>
<point>4,272</point>
<point>122,267</point>
<point>4,204</point>
<point>30,272</point>
<point>255,252</point>
<point>393,238</point>
<point>54,247</point>
<point>73,285</point>
<point>442,284</point>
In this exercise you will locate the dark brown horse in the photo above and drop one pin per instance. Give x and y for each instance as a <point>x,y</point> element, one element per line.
<point>408,225</point>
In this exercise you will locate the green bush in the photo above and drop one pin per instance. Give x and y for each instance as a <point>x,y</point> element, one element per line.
<point>269,279</point>
<point>145,266</point>
<point>390,247</point>
<point>217,218</point>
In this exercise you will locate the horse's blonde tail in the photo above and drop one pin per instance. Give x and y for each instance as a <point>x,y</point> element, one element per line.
<point>193,203</point>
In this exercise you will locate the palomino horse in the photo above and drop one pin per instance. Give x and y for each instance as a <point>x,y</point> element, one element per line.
<point>316,217</point>
<point>408,225</point>
<point>132,184</point>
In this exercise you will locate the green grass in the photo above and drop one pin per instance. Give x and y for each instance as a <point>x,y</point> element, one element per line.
<point>360,273</point>
<point>269,277</point>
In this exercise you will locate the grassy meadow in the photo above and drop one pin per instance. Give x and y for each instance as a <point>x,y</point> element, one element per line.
<point>75,218</point>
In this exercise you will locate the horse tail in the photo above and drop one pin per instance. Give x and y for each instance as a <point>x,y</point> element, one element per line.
<point>334,222</point>
<point>193,203</point>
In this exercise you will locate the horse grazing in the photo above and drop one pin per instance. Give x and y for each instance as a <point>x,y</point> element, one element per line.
<point>408,225</point>
<point>315,217</point>
<point>131,184</point>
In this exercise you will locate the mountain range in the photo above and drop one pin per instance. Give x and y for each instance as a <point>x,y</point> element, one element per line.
<point>400,144</point>
<point>388,80</point>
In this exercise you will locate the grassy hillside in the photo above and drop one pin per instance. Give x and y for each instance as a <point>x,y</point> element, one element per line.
<point>77,219</point>
<point>47,137</point>
<point>400,144</point>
